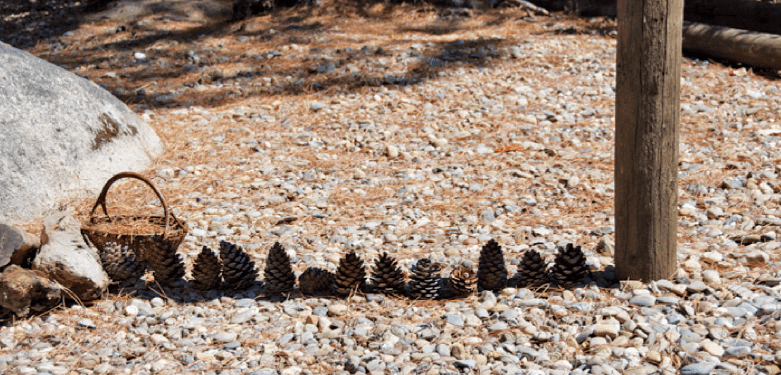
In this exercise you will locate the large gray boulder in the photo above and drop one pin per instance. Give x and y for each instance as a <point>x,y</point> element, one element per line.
<point>61,136</point>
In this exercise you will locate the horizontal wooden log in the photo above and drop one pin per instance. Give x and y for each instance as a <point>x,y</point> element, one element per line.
<point>747,47</point>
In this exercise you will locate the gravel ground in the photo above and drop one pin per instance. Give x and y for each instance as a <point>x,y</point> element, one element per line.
<point>427,141</point>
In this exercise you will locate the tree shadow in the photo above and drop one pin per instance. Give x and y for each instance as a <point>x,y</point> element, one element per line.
<point>23,23</point>
<point>159,57</point>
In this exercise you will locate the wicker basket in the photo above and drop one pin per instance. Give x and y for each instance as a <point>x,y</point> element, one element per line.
<point>145,235</point>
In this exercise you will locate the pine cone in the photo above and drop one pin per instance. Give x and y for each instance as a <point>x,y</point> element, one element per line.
<point>463,280</point>
<point>315,280</point>
<point>278,275</point>
<point>207,270</point>
<point>166,264</point>
<point>238,270</point>
<point>121,263</point>
<point>491,271</point>
<point>532,272</point>
<point>350,275</point>
<point>569,267</point>
<point>424,280</point>
<point>387,276</point>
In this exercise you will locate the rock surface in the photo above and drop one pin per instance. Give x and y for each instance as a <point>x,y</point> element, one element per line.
<point>16,245</point>
<point>62,135</point>
<point>67,259</point>
<point>23,290</point>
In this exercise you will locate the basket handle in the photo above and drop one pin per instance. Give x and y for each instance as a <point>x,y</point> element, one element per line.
<point>102,197</point>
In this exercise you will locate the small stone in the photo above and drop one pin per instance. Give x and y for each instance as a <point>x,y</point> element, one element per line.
<point>703,307</point>
<point>668,300</point>
<point>242,317</point>
<point>390,238</point>
<point>718,333</point>
<point>361,330</point>
<point>664,284</point>
<point>735,351</point>
<point>643,300</point>
<point>508,313</point>
<point>392,151</point>
<point>750,239</point>
<point>757,256</point>
<point>454,319</point>
<point>654,357</point>
<point>616,312</point>
<point>687,210</point>
<point>498,326</point>
<point>516,52</point>
<point>692,265</point>
<point>711,277</point>
<point>487,299</point>
<point>86,323</point>
<point>465,363</point>
<point>131,310</point>
<point>458,351</point>
<point>712,348</point>
<point>224,337</point>
<point>691,337</point>
<point>696,286</point>
<point>606,330</point>
<point>630,285</point>
<point>157,302</point>
<point>700,368</point>
<point>605,247</point>
<point>679,289</point>
<point>317,106</point>
<point>293,370</point>
<point>675,318</point>
<point>439,142</point>
<point>713,256</point>
<point>337,309</point>
<point>714,212</point>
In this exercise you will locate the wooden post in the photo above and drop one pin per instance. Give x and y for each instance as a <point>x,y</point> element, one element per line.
<point>648,73</point>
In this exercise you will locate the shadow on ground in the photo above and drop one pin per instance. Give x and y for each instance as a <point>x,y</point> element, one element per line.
<point>161,54</point>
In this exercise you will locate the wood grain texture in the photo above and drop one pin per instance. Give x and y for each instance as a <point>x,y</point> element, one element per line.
<point>647,117</point>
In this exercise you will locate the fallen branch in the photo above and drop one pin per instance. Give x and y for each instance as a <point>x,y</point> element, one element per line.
<point>529,6</point>
<point>747,47</point>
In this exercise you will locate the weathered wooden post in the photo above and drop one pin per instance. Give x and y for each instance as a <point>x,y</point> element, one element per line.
<point>648,66</point>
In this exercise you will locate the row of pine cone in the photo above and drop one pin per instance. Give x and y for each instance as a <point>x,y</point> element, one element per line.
<point>233,269</point>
